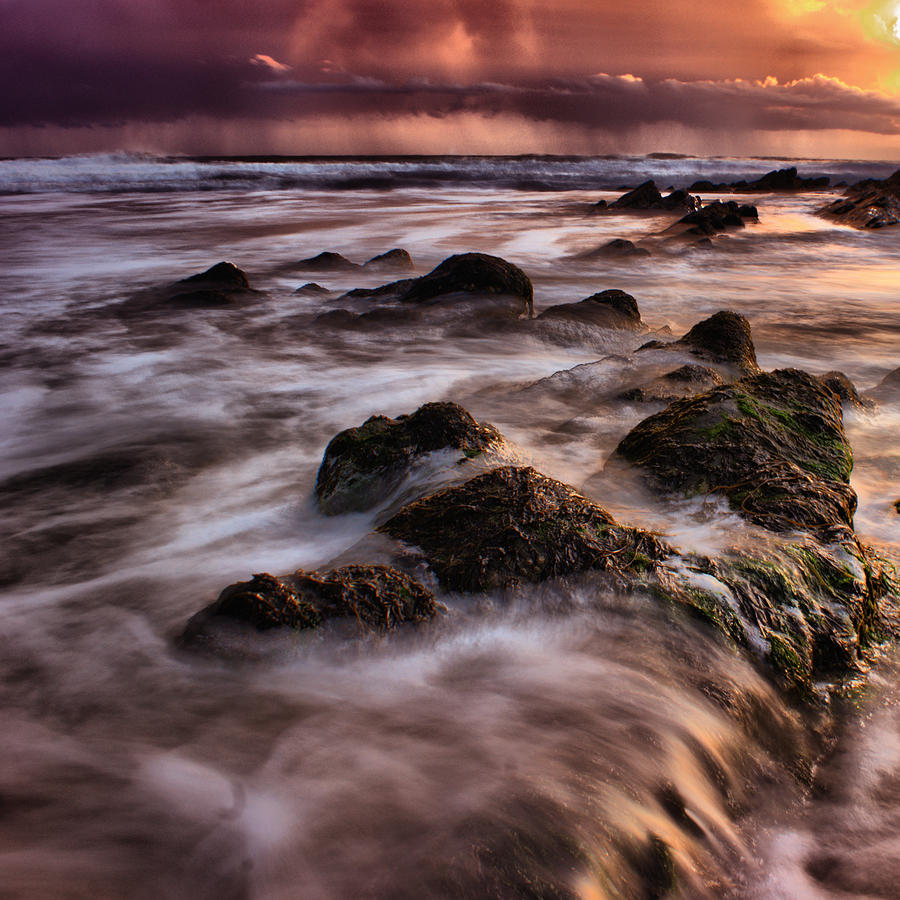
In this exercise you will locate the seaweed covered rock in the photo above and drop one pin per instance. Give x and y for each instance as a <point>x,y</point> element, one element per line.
<point>684,381</point>
<point>514,525</point>
<point>474,273</point>
<point>647,197</point>
<point>773,444</point>
<point>373,598</point>
<point>607,309</point>
<point>362,465</point>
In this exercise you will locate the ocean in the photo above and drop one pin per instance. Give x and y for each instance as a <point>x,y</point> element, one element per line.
<point>545,741</point>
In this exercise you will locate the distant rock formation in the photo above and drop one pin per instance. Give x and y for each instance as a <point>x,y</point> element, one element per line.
<point>774,181</point>
<point>868,204</point>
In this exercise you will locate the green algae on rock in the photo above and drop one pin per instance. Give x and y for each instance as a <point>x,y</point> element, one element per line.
<point>376,598</point>
<point>773,444</point>
<point>514,525</point>
<point>362,465</point>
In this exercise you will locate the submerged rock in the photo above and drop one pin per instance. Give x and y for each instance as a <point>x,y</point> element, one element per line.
<point>221,286</point>
<point>607,309</point>
<point>514,525</point>
<point>312,289</point>
<point>396,260</point>
<point>224,275</point>
<point>682,382</point>
<point>647,197</point>
<point>776,180</point>
<point>328,262</point>
<point>373,598</point>
<point>868,204</point>
<point>474,273</point>
<point>362,465</point>
<point>392,290</point>
<point>713,218</point>
<point>773,444</point>
<point>724,338</point>
<point>618,248</point>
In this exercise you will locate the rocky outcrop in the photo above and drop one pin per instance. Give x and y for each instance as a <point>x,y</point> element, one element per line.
<point>396,260</point>
<point>361,466</point>
<point>774,181</point>
<point>685,381</point>
<point>869,204</point>
<point>477,274</point>
<point>647,197</point>
<point>513,525</point>
<point>723,338</point>
<point>841,385</point>
<point>606,309</point>
<point>716,217</point>
<point>772,444</point>
<point>369,598</point>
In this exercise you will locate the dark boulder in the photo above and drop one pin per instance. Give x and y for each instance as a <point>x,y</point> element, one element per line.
<point>618,248</point>
<point>773,444</point>
<point>223,275</point>
<point>395,260</point>
<point>647,197</point>
<point>312,289</point>
<point>370,598</point>
<point>513,525</point>
<point>685,381</point>
<point>869,204</point>
<point>327,262</point>
<point>715,217</point>
<point>607,309</point>
<point>724,337</point>
<point>392,290</point>
<point>361,466</point>
<point>474,273</point>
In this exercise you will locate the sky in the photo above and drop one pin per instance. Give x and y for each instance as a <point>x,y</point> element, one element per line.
<point>807,78</point>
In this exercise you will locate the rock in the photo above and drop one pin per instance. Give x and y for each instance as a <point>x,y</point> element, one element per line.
<point>328,262</point>
<point>222,276</point>
<point>888,389</point>
<point>618,248</point>
<point>372,598</point>
<point>361,466</point>
<point>337,318</point>
<point>514,525</point>
<point>724,337</point>
<point>312,289</point>
<point>474,273</point>
<point>844,388</point>
<point>608,309</point>
<point>715,217</point>
<point>868,204</point>
<point>682,382</point>
<point>392,290</point>
<point>897,507</point>
<point>776,180</point>
<point>647,197</point>
<point>395,260</point>
<point>773,444</point>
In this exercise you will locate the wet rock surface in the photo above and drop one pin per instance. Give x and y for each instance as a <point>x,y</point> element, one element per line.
<point>362,465</point>
<point>617,248</point>
<point>870,204</point>
<point>327,261</point>
<point>373,598</point>
<point>841,385</point>
<point>396,260</point>
<point>513,525</point>
<point>608,309</point>
<point>682,382</point>
<point>773,444</point>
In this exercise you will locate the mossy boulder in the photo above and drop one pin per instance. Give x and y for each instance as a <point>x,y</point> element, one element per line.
<point>362,465</point>
<point>606,309</point>
<point>513,525</point>
<point>474,273</point>
<point>773,444</point>
<point>372,598</point>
